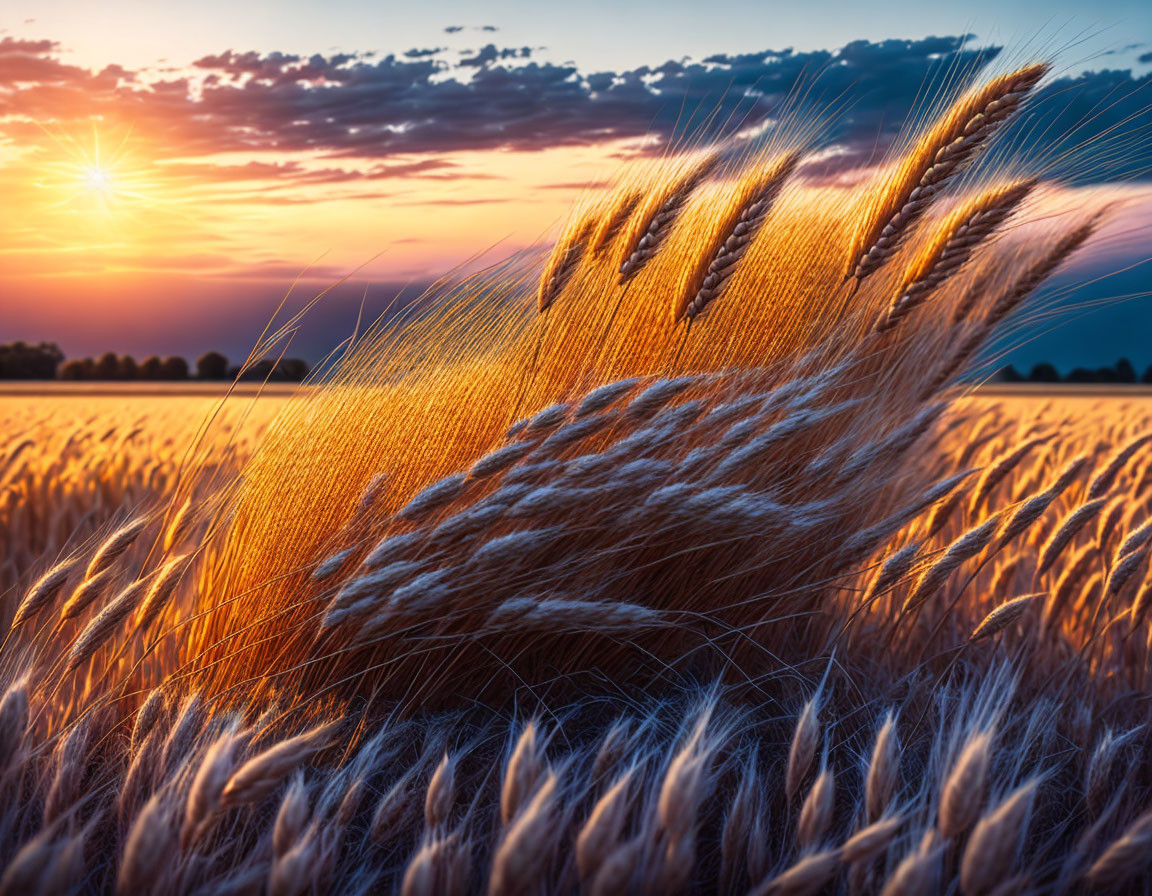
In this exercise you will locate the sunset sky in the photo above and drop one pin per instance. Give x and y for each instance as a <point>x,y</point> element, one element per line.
<point>168,170</point>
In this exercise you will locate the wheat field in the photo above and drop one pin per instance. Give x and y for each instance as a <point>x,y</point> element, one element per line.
<point>681,559</point>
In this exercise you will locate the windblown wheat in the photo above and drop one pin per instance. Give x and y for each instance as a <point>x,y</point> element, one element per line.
<point>550,591</point>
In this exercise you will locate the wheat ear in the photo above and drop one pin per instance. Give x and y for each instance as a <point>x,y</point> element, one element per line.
<point>955,241</point>
<point>647,233</point>
<point>755,197</point>
<point>951,144</point>
<point>562,263</point>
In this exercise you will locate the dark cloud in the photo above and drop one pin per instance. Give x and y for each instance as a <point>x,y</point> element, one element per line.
<point>489,54</point>
<point>1145,57</point>
<point>359,106</point>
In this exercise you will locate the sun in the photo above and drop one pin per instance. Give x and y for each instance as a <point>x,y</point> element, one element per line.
<point>103,171</point>
<point>98,180</point>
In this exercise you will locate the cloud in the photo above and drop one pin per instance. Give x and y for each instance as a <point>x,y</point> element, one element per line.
<point>356,106</point>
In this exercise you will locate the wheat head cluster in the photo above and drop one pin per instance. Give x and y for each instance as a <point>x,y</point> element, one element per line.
<point>674,562</point>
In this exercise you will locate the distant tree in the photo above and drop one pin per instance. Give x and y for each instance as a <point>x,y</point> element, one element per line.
<point>256,372</point>
<point>174,368</point>
<point>1044,373</point>
<point>1082,375</point>
<point>1125,372</point>
<point>151,368</point>
<point>1008,374</point>
<point>1106,375</point>
<point>1147,378</point>
<point>106,367</point>
<point>292,370</point>
<point>77,369</point>
<point>212,366</point>
<point>22,361</point>
<point>127,368</point>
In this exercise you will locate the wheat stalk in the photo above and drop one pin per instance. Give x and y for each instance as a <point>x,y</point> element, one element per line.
<point>746,213</point>
<point>957,237</point>
<point>947,148</point>
<point>647,232</point>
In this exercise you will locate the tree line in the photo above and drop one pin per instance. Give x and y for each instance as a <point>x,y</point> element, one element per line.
<point>1122,372</point>
<point>45,361</point>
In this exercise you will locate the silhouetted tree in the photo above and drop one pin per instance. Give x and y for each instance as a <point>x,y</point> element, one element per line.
<point>106,367</point>
<point>151,368</point>
<point>1008,374</point>
<point>212,366</point>
<point>174,368</point>
<point>292,370</point>
<point>1044,373</point>
<point>1147,378</point>
<point>127,368</point>
<point>256,372</point>
<point>77,369</point>
<point>21,361</point>
<point>1125,372</point>
<point>1082,375</point>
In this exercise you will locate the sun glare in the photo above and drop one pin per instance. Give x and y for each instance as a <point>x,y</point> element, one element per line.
<point>97,179</point>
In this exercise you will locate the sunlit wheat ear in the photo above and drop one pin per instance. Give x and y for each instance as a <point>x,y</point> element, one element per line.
<point>741,221</point>
<point>1032,509</point>
<point>956,239</point>
<point>1104,479</point>
<point>1003,616</point>
<point>938,157</point>
<point>991,478</point>
<point>1136,539</point>
<point>563,261</point>
<point>45,590</point>
<point>1124,569</point>
<point>164,582</point>
<point>115,545</point>
<point>105,623</point>
<point>1068,529</point>
<point>179,525</point>
<point>647,231</point>
<point>1041,270</point>
<point>963,548</point>
<point>612,222</point>
<point>85,593</point>
<point>1012,298</point>
<point>894,569</point>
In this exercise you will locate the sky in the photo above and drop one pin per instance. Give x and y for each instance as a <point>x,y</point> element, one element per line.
<point>168,170</point>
